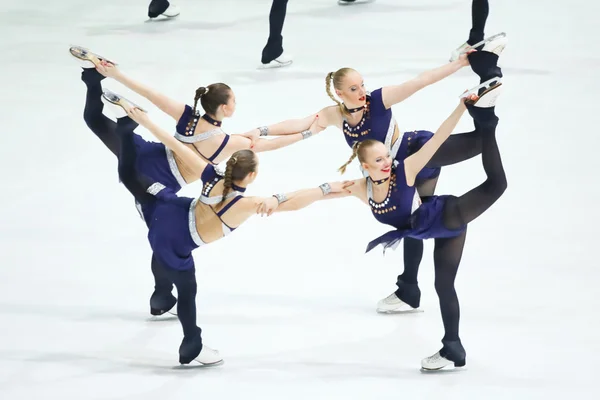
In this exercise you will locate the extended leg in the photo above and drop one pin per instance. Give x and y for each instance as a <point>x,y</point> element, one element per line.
<point>459,211</point>
<point>480,10</point>
<point>457,148</point>
<point>101,125</point>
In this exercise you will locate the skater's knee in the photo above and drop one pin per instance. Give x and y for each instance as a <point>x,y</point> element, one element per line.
<point>444,287</point>
<point>500,185</point>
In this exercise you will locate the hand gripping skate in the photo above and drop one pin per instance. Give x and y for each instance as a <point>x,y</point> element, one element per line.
<point>487,92</point>
<point>117,103</point>
<point>494,44</point>
<point>86,58</point>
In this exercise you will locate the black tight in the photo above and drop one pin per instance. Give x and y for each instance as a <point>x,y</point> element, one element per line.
<point>106,130</point>
<point>101,125</point>
<point>458,212</point>
<point>274,47</point>
<point>457,148</point>
<point>165,277</point>
<point>480,10</point>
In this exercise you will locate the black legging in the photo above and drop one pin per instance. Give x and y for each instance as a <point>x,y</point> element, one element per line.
<point>185,281</point>
<point>480,10</point>
<point>105,129</point>
<point>457,148</point>
<point>274,46</point>
<point>458,212</point>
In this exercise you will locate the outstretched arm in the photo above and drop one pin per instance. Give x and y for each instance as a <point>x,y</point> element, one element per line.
<point>416,162</point>
<point>315,123</point>
<point>167,105</point>
<point>395,94</point>
<point>303,198</point>
<point>189,157</point>
<point>259,145</point>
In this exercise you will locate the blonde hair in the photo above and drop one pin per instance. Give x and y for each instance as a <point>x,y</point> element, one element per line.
<point>359,150</point>
<point>337,77</point>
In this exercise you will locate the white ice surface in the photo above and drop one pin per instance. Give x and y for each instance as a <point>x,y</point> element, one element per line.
<point>290,301</point>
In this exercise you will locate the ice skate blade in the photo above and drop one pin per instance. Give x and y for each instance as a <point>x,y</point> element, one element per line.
<point>481,46</point>
<point>488,97</point>
<point>487,85</point>
<point>117,103</point>
<point>444,370</point>
<point>275,64</point>
<point>168,316</point>
<point>86,58</point>
<point>412,311</point>
<point>355,3</point>
<point>196,364</point>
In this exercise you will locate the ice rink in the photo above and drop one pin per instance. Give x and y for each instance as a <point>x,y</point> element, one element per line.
<point>289,300</point>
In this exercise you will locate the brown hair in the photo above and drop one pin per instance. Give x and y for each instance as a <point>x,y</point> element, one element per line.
<point>241,163</point>
<point>337,77</point>
<point>359,150</point>
<point>211,97</point>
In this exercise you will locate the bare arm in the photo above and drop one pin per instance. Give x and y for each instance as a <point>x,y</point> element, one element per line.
<point>315,123</point>
<point>167,105</point>
<point>239,142</point>
<point>395,94</point>
<point>189,157</point>
<point>416,162</point>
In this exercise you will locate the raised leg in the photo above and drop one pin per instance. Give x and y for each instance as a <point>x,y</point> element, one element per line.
<point>459,211</point>
<point>103,127</point>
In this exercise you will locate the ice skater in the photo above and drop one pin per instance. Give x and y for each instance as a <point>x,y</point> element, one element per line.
<point>389,190</point>
<point>178,225</point>
<point>362,115</point>
<point>158,162</point>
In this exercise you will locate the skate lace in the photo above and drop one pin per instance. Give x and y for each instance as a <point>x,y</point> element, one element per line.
<point>434,358</point>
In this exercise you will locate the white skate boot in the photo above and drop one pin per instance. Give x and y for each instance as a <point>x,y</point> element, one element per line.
<point>494,44</point>
<point>117,103</point>
<point>208,357</point>
<point>393,305</point>
<point>171,12</point>
<point>86,58</point>
<point>436,363</point>
<point>488,92</point>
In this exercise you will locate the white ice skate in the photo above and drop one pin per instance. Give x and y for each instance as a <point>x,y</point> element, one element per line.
<point>117,103</point>
<point>208,357</point>
<point>494,44</point>
<point>354,2</point>
<point>393,305</point>
<point>488,92</point>
<point>282,61</point>
<point>436,363</point>
<point>171,12</point>
<point>86,58</point>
